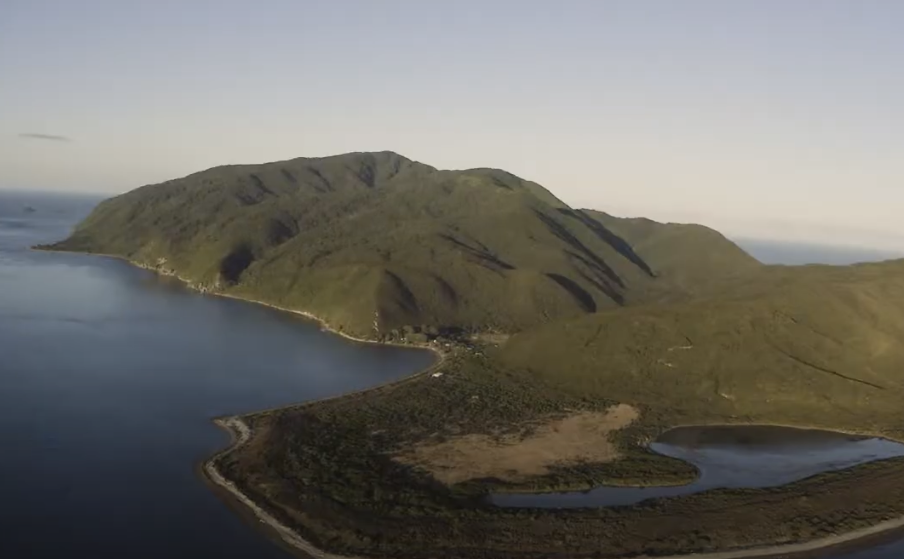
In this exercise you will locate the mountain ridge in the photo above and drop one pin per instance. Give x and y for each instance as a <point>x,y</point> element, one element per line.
<point>379,244</point>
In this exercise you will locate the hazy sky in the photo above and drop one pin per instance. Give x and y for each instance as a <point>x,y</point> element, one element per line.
<point>745,115</point>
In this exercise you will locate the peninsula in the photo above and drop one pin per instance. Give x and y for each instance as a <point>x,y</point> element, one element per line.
<point>572,338</point>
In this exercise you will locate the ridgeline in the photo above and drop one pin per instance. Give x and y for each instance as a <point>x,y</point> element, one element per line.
<point>378,245</point>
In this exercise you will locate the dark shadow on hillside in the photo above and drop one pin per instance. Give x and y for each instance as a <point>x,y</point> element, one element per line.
<point>259,183</point>
<point>498,182</point>
<point>579,293</point>
<point>620,245</point>
<point>481,255</point>
<point>287,174</point>
<point>236,262</point>
<point>400,292</point>
<point>324,186</point>
<point>589,257</point>
<point>446,290</point>
<point>278,232</point>
<point>367,175</point>
<point>591,273</point>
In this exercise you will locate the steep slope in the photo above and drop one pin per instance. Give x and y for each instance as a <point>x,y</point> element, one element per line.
<point>815,345</point>
<point>688,255</point>
<point>374,242</point>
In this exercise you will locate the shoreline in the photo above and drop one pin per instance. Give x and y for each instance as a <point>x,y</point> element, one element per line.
<point>840,430</point>
<point>324,325</point>
<point>240,433</point>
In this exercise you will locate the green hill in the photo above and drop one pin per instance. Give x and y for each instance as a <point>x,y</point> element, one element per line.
<point>689,255</point>
<point>373,242</point>
<point>815,345</point>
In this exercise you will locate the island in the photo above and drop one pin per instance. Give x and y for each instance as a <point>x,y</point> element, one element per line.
<point>568,340</point>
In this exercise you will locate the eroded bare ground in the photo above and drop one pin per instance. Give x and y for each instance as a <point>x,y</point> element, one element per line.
<point>579,437</point>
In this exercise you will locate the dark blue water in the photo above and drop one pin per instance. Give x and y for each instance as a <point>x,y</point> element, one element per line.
<point>109,377</point>
<point>730,457</point>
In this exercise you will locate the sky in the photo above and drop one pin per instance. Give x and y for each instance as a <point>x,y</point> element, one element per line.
<point>776,119</point>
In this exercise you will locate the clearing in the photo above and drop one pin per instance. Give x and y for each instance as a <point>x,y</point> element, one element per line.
<point>580,437</point>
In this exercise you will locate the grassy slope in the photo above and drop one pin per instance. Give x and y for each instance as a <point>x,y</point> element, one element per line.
<point>349,236</point>
<point>807,346</point>
<point>814,346</point>
<point>686,254</point>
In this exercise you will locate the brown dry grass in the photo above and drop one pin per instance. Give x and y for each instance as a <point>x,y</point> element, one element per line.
<point>580,437</point>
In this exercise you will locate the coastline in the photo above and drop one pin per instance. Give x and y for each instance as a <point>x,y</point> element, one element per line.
<point>241,433</point>
<point>324,325</point>
<point>851,432</point>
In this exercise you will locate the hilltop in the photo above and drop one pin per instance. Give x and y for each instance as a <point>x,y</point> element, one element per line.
<point>378,245</point>
<point>690,256</point>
